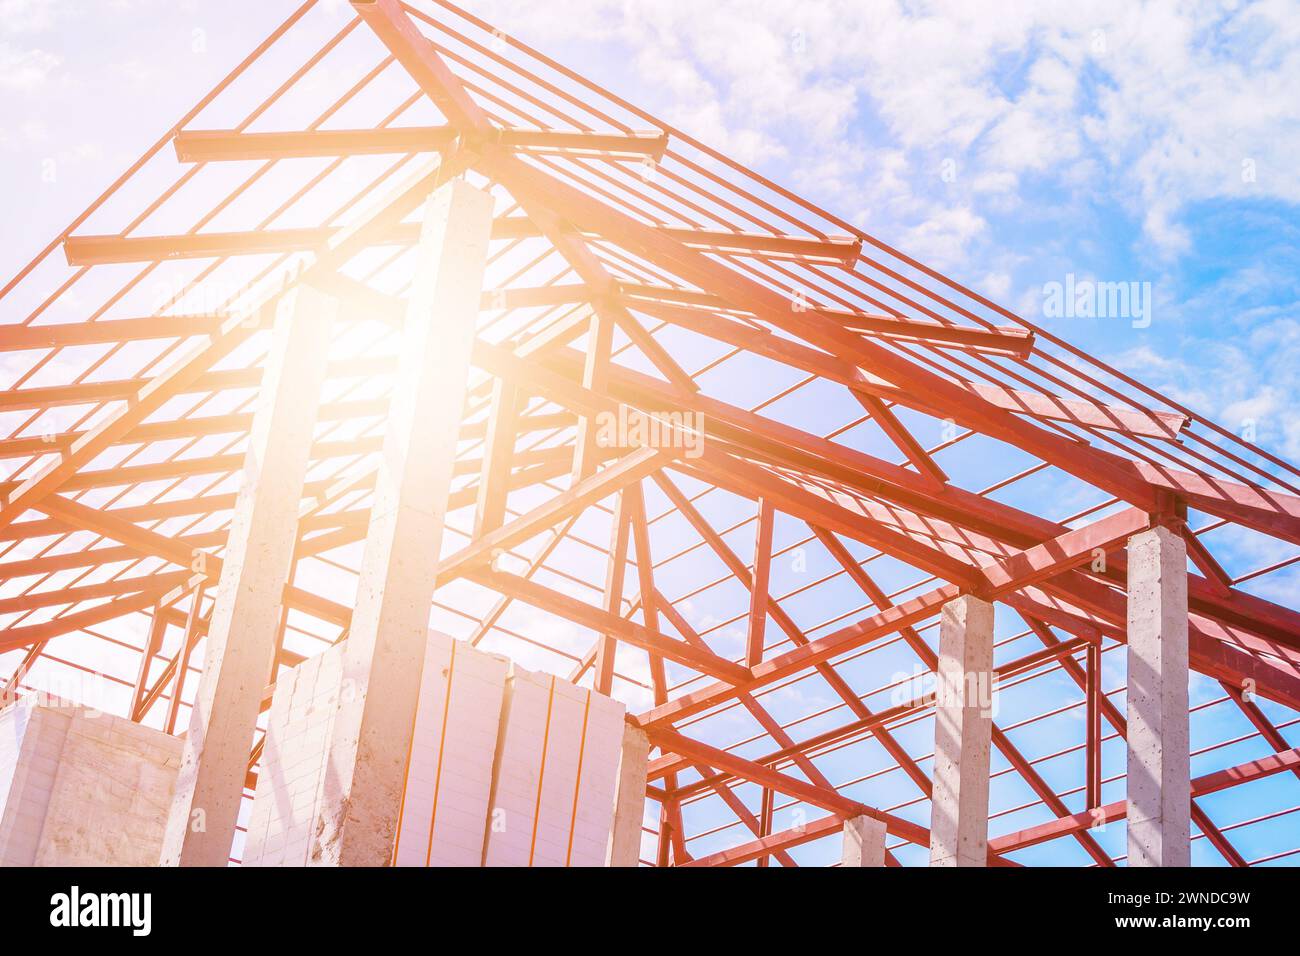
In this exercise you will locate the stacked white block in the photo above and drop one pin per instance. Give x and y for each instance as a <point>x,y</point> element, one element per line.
<point>293,762</point>
<point>82,788</point>
<point>449,769</point>
<point>506,767</point>
<point>557,769</point>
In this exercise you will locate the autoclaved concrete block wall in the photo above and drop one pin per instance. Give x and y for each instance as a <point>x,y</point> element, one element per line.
<point>557,767</point>
<point>293,762</point>
<point>79,787</point>
<point>449,768</point>
<point>482,750</point>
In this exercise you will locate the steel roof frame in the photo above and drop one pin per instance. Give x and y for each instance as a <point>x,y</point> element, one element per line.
<point>619,233</point>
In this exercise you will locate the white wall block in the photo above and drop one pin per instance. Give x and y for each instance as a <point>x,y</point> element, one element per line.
<point>449,771</point>
<point>293,759</point>
<point>80,787</point>
<point>556,773</point>
<point>506,767</point>
<point>449,775</point>
<point>864,842</point>
<point>1159,766</point>
<point>963,727</point>
<point>625,835</point>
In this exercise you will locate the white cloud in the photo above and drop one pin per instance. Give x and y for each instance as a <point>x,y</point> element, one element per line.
<point>996,285</point>
<point>28,16</point>
<point>943,236</point>
<point>1160,103</point>
<point>22,71</point>
<point>1245,382</point>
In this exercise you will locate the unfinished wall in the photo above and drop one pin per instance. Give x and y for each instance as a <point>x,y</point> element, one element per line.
<point>33,743</point>
<point>82,788</point>
<point>449,769</point>
<point>557,767</point>
<point>488,740</point>
<point>293,762</point>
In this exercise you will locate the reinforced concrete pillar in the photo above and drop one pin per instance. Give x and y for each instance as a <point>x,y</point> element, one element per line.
<point>629,800</point>
<point>864,842</point>
<point>963,726</point>
<point>362,787</point>
<point>1159,765</point>
<point>241,639</point>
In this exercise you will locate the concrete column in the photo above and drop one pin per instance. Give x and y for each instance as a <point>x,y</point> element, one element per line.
<point>629,800</point>
<point>963,725</point>
<point>255,569</point>
<point>1159,767</point>
<point>362,788</point>
<point>864,842</point>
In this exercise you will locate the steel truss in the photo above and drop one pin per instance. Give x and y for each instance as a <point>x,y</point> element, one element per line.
<point>632,267</point>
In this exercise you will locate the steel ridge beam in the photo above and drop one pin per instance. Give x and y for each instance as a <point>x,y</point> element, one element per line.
<point>205,146</point>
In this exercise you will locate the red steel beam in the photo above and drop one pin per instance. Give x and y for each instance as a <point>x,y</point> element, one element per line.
<point>205,146</point>
<point>758,589</point>
<point>616,573</point>
<point>1210,783</point>
<point>547,599</point>
<point>826,799</point>
<point>95,250</point>
<point>1089,414</point>
<point>1007,340</point>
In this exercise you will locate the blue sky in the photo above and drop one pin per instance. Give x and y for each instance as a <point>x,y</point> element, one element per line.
<point>1116,141</point>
